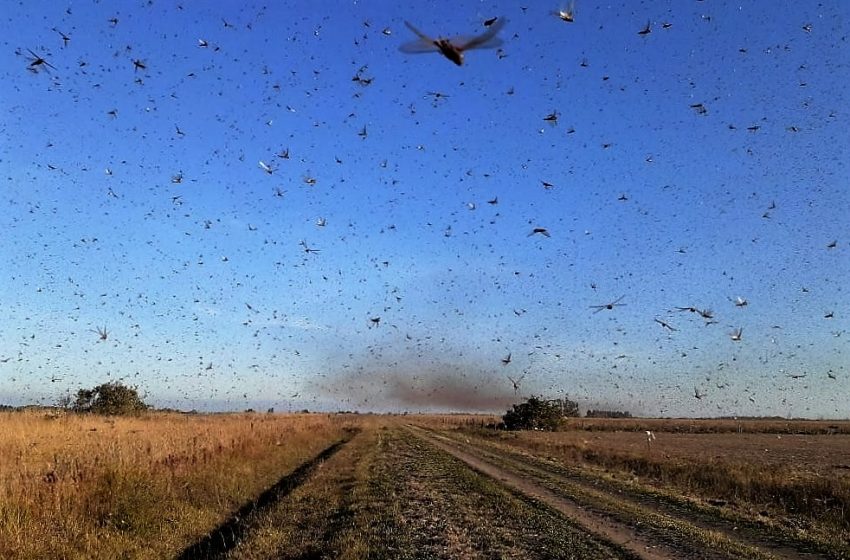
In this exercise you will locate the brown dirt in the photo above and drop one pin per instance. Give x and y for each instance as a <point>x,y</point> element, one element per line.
<point>530,474</point>
<point>611,530</point>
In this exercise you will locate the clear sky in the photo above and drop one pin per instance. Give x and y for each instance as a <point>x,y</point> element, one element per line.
<point>382,255</point>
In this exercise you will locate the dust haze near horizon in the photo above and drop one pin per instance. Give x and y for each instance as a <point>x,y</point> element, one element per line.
<point>236,206</point>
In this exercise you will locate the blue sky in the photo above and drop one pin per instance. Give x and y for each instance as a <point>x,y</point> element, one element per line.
<point>687,167</point>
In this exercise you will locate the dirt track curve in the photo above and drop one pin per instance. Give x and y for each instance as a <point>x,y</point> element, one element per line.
<point>649,530</point>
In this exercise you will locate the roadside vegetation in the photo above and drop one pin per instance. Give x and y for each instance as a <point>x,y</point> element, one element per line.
<point>157,484</point>
<point>538,413</point>
<point>797,480</point>
<point>142,486</point>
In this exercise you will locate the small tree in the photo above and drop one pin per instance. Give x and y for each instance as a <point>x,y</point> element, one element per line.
<point>569,409</point>
<point>539,414</point>
<point>112,398</point>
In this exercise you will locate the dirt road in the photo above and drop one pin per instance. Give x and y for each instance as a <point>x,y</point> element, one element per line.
<point>643,524</point>
<point>402,492</point>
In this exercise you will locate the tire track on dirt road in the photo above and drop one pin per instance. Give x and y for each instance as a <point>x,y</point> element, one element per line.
<point>226,536</point>
<point>761,538</point>
<point>389,495</point>
<point>644,532</point>
<point>615,533</point>
<point>453,512</point>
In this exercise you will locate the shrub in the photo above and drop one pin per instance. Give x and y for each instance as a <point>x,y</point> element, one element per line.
<point>539,414</point>
<point>109,398</point>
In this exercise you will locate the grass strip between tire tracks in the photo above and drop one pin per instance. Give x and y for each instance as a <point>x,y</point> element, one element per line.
<point>224,537</point>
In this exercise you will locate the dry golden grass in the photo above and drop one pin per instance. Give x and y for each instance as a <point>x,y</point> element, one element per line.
<point>711,426</point>
<point>80,486</point>
<point>447,421</point>
<point>796,471</point>
<point>676,425</point>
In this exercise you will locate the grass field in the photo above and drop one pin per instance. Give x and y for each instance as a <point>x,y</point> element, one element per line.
<point>96,487</point>
<point>794,475</point>
<point>379,487</point>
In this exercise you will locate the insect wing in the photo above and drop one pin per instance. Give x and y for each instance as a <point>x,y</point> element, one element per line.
<point>424,44</point>
<point>418,47</point>
<point>421,35</point>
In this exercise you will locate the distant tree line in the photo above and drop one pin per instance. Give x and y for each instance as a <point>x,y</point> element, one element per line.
<point>608,414</point>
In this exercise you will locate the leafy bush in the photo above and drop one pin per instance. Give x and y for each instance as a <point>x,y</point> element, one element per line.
<point>539,414</point>
<point>109,398</point>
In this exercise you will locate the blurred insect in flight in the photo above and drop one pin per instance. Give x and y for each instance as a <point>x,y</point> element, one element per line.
<point>664,324</point>
<point>541,230</point>
<point>453,49</point>
<point>609,306</point>
<point>37,62</point>
<point>567,15</point>
<point>516,382</point>
<point>65,39</point>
